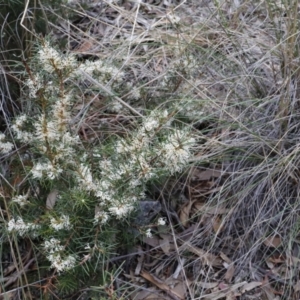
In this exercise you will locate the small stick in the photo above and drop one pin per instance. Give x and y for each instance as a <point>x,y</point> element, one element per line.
<point>107,90</point>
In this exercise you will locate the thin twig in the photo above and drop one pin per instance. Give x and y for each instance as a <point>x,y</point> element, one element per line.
<point>107,90</point>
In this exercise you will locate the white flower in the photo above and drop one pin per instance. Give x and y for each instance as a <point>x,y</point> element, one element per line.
<point>64,151</point>
<point>5,147</point>
<point>68,139</point>
<point>51,60</point>
<point>134,182</point>
<point>105,164</point>
<point>137,143</point>
<point>54,254</point>
<point>63,222</point>
<point>88,66</point>
<point>62,264</point>
<point>173,18</point>
<point>122,146</point>
<point>146,171</point>
<point>21,200</point>
<point>52,171</point>
<point>20,227</point>
<point>23,136</point>
<point>134,92</point>
<point>53,245</point>
<point>155,119</point>
<point>161,221</point>
<point>104,71</point>
<point>148,233</point>
<point>85,178</point>
<point>101,217</point>
<point>151,124</point>
<point>176,150</point>
<point>34,85</point>
<point>121,210</point>
<point>61,113</point>
<point>46,130</point>
<point>37,170</point>
<point>17,129</point>
<point>115,106</point>
<point>103,194</point>
<point>20,120</point>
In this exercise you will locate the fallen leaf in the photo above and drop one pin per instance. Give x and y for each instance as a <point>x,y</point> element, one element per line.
<point>273,241</point>
<point>153,241</point>
<point>270,264</point>
<point>267,289</point>
<point>160,284</point>
<point>141,295</point>
<point>165,243</point>
<point>225,258</point>
<point>229,273</point>
<point>203,188</point>
<point>155,296</point>
<point>184,214</point>
<point>277,259</point>
<point>231,296</point>
<point>207,285</point>
<point>180,289</point>
<point>218,210</point>
<point>217,224</point>
<point>215,295</point>
<point>140,260</point>
<point>85,46</point>
<point>223,286</point>
<point>250,286</point>
<point>221,294</point>
<point>51,199</point>
<point>207,258</point>
<point>197,174</point>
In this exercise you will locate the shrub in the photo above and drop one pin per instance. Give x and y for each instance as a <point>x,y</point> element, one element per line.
<point>74,195</point>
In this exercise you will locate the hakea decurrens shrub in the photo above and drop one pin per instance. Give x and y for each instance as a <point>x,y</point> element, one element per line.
<point>94,188</point>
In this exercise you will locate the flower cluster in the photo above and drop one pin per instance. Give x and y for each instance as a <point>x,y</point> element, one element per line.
<point>21,200</point>
<point>55,254</point>
<point>148,233</point>
<point>17,128</point>
<point>176,150</point>
<point>52,60</point>
<point>151,151</point>
<point>101,217</point>
<point>101,70</point>
<point>49,169</point>
<point>161,221</point>
<point>21,228</point>
<point>192,108</point>
<point>34,85</point>
<point>63,222</point>
<point>5,147</point>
